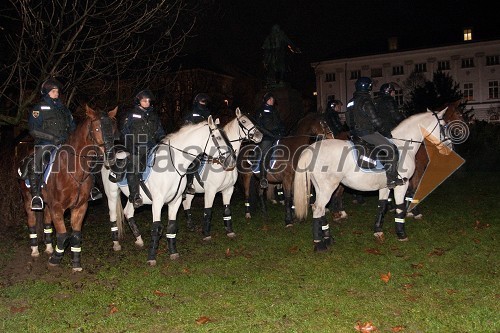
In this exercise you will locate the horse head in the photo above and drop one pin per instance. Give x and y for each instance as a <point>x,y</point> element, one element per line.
<point>103,131</point>
<point>249,129</point>
<point>226,153</point>
<point>444,144</point>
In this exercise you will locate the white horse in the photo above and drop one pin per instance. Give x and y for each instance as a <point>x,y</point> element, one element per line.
<point>215,179</point>
<point>167,181</point>
<point>330,162</point>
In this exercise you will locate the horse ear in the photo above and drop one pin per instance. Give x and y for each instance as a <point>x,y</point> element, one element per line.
<point>89,111</point>
<point>442,112</point>
<point>112,113</point>
<point>238,112</point>
<point>217,121</point>
<point>210,121</point>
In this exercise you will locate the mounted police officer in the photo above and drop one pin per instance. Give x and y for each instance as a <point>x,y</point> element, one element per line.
<point>331,115</point>
<point>270,124</point>
<point>366,123</point>
<point>387,107</point>
<point>198,113</point>
<point>50,123</point>
<point>142,130</point>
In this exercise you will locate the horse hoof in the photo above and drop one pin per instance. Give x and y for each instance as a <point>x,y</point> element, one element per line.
<point>231,235</point>
<point>151,262</point>
<point>405,239</point>
<point>49,249</point>
<point>207,239</point>
<point>139,242</point>
<point>248,216</point>
<point>379,236</point>
<point>174,256</point>
<point>288,225</point>
<point>329,241</point>
<point>77,269</point>
<point>409,214</point>
<point>35,254</point>
<point>116,246</point>
<point>274,202</point>
<point>320,246</point>
<point>418,217</point>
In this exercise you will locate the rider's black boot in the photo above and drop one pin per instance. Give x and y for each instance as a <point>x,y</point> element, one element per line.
<point>36,199</point>
<point>133,186</point>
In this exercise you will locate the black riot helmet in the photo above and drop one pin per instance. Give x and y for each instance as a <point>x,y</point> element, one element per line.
<point>387,88</point>
<point>201,99</point>
<point>267,96</point>
<point>363,84</point>
<point>48,85</point>
<point>146,93</point>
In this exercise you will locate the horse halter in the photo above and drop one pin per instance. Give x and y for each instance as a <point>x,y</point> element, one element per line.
<point>248,132</point>
<point>327,130</point>
<point>108,137</point>
<point>443,138</point>
<point>224,158</point>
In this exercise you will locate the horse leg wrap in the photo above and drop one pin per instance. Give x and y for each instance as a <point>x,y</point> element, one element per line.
<point>325,228</point>
<point>133,227</point>
<point>263,205</point>
<point>207,221</point>
<point>317,229</point>
<point>156,229</point>
<point>382,209</point>
<point>247,206</point>
<point>114,231</point>
<point>288,210</point>
<point>62,242</point>
<point>228,224</point>
<point>33,236</point>
<point>171,236</point>
<point>76,248</point>
<point>400,221</point>
<point>47,232</point>
<point>189,219</point>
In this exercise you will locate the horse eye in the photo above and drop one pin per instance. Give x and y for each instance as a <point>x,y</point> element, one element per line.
<point>219,138</point>
<point>243,121</point>
<point>97,130</point>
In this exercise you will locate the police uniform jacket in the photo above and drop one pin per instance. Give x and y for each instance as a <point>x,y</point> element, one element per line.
<point>50,122</point>
<point>141,128</point>
<point>387,110</point>
<point>362,117</point>
<point>268,118</point>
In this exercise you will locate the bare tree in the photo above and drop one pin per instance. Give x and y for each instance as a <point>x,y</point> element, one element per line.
<point>92,45</point>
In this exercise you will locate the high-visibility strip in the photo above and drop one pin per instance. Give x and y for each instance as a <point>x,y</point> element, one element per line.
<point>171,235</point>
<point>399,220</point>
<point>76,249</point>
<point>247,204</point>
<point>47,231</point>
<point>33,235</point>
<point>325,227</point>
<point>114,228</point>
<point>58,250</point>
<point>227,218</point>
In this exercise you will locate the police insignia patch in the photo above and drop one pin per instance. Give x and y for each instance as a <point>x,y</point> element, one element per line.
<point>35,114</point>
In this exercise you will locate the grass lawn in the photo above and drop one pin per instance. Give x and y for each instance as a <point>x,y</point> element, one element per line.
<point>268,279</point>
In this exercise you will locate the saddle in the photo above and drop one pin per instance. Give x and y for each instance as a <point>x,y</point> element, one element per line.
<point>255,158</point>
<point>27,162</point>
<point>366,155</point>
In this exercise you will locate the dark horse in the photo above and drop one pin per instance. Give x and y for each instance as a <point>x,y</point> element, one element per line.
<point>69,185</point>
<point>421,161</point>
<point>309,129</point>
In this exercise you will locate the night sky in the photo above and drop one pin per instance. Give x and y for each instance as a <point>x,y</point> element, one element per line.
<point>234,31</point>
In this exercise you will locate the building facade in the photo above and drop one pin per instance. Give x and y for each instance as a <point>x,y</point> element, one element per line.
<point>475,66</point>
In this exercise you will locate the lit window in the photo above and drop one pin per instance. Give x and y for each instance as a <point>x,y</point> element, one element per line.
<point>467,34</point>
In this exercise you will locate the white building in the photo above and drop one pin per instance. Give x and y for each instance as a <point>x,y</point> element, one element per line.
<point>475,66</point>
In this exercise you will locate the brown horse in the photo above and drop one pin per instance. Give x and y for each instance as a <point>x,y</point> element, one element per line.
<point>421,161</point>
<point>309,129</point>
<point>69,185</point>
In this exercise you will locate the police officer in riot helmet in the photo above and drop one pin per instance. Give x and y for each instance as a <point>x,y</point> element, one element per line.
<point>331,116</point>
<point>366,123</point>
<point>387,107</point>
<point>270,124</point>
<point>142,130</point>
<point>50,123</point>
<point>198,113</point>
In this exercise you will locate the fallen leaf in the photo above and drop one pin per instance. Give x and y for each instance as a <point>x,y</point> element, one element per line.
<point>18,309</point>
<point>228,252</point>
<point>437,252</point>
<point>397,328</point>
<point>293,249</point>
<point>265,227</point>
<point>185,270</point>
<point>357,232</point>
<point>407,286</point>
<point>203,320</point>
<point>365,328</point>
<point>419,265</point>
<point>451,291</point>
<point>385,277</point>
<point>113,309</point>
<point>477,241</point>
<point>159,293</point>
<point>373,251</point>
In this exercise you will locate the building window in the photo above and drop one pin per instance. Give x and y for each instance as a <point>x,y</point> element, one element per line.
<point>421,68</point>
<point>397,70</point>
<point>493,90</point>
<point>399,97</point>
<point>376,72</point>
<point>355,75</point>
<point>444,65</point>
<point>468,91</point>
<point>467,62</point>
<point>492,60</point>
<point>467,34</point>
<point>330,77</point>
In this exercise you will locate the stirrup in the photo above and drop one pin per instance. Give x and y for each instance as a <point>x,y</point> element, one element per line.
<point>136,200</point>
<point>95,194</point>
<point>264,183</point>
<point>36,203</point>
<point>395,182</point>
<point>190,189</point>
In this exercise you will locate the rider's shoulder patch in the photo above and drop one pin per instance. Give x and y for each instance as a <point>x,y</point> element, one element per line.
<point>35,113</point>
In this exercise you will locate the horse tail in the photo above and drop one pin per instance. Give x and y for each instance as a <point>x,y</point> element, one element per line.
<point>119,217</point>
<point>302,185</point>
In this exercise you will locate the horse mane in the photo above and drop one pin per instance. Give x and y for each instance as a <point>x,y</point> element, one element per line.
<point>184,130</point>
